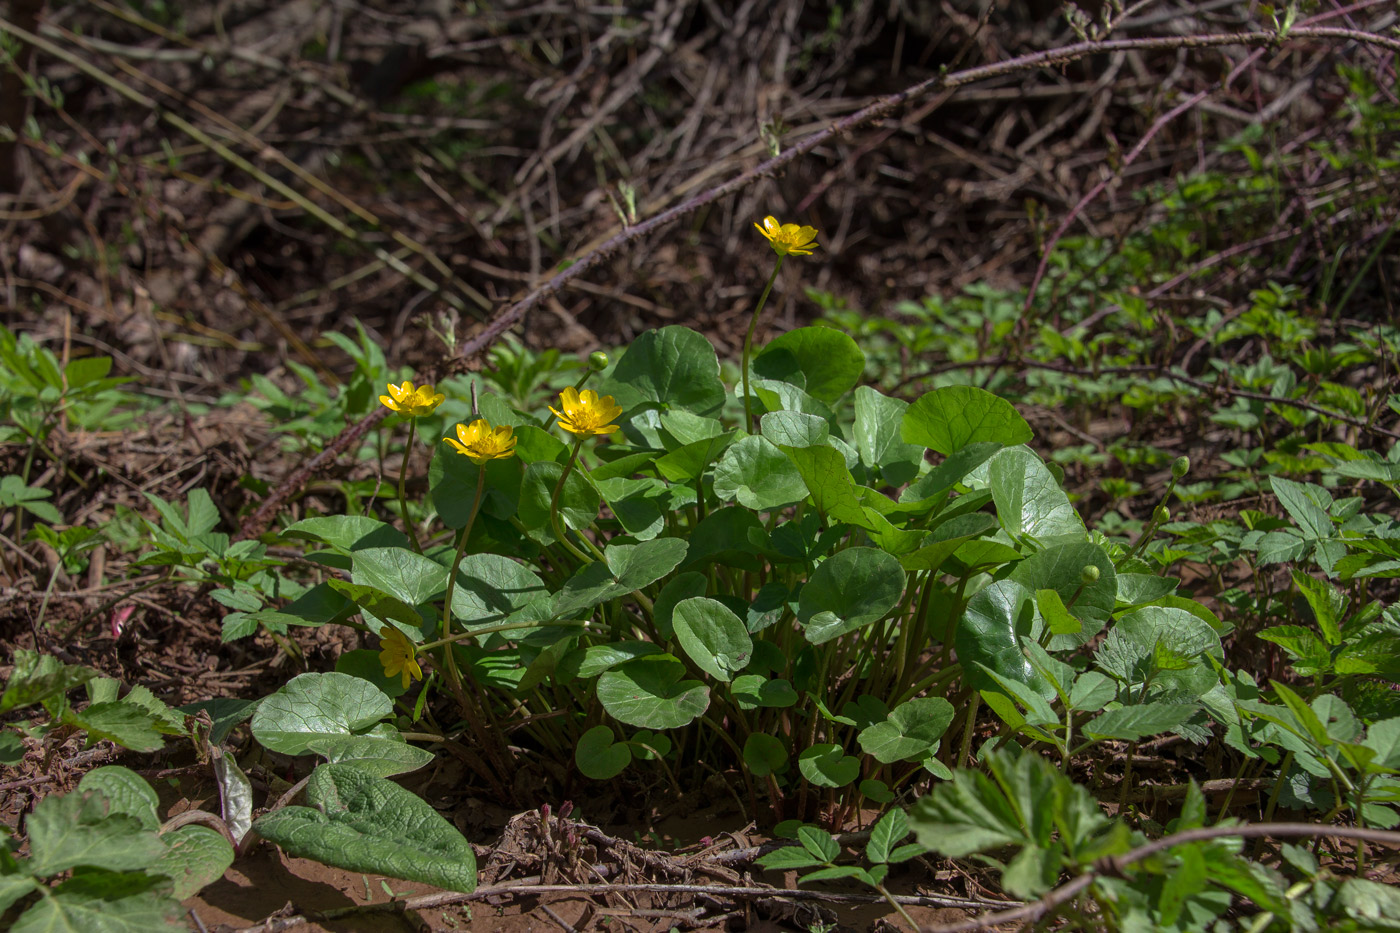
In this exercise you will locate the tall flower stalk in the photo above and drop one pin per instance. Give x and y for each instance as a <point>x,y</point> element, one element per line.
<point>786,240</point>
<point>585,414</point>
<point>480,443</point>
<point>412,404</point>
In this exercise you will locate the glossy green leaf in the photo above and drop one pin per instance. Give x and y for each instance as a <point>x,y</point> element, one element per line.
<point>384,754</point>
<point>650,693</point>
<point>452,482</point>
<point>877,437</point>
<point>1060,568</point>
<point>828,359</point>
<point>991,634</point>
<point>1028,498</point>
<point>758,475</point>
<point>348,532</point>
<point>910,732</point>
<point>833,491</point>
<point>946,539</point>
<point>408,577</point>
<point>952,417</point>
<point>794,429</point>
<point>492,589</point>
<point>849,590</point>
<point>578,500</point>
<point>713,637</point>
<point>312,706</point>
<point>671,366</point>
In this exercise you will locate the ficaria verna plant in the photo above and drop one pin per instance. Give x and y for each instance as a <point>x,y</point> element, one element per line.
<point>810,586</point>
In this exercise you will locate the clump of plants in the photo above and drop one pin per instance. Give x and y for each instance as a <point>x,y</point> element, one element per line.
<point>815,590</point>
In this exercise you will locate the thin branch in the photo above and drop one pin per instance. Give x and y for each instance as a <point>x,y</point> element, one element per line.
<point>513,314</point>
<point>530,887</point>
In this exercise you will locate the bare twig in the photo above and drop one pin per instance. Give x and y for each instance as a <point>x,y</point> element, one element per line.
<point>514,313</point>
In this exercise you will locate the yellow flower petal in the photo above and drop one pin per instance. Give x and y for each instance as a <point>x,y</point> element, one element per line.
<point>788,239</point>
<point>481,442</point>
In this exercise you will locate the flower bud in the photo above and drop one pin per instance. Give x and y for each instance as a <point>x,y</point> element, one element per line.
<point>1180,467</point>
<point>597,361</point>
<point>1090,574</point>
<point>1162,515</point>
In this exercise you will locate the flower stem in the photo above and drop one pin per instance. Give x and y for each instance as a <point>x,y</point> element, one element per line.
<point>452,576</point>
<point>403,502</point>
<point>554,521</point>
<point>748,341</point>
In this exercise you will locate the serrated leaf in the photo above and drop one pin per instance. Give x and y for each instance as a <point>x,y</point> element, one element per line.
<point>76,829</point>
<point>105,902</point>
<point>126,724</point>
<point>819,843</point>
<point>886,834</point>
<point>1131,723</point>
<point>788,858</point>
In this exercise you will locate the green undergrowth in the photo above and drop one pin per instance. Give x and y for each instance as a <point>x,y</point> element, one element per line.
<point>843,574</point>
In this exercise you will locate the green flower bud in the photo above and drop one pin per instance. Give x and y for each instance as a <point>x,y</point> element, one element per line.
<point>1162,515</point>
<point>1090,574</point>
<point>1180,467</point>
<point>597,361</point>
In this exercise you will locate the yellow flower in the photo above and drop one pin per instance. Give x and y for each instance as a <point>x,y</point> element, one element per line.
<point>585,413</point>
<point>411,402</point>
<point>788,239</point>
<point>397,655</point>
<point>481,442</point>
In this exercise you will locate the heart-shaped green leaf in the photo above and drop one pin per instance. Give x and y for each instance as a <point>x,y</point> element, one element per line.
<point>991,633</point>
<point>764,754</point>
<point>828,359</point>
<point>1028,498</point>
<point>878,440</point>
<point>849,590</point>
<point>713,637</point>
<point>650,693</point>
<point>758,475</point>
<point>911,731</point>
<point>828,766</point>
<point>578,500</point>
<point>671,366</point>
<point>312,706</point>
<point>599,757</point>
<point>408,577</point>
<point>950,418</point>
